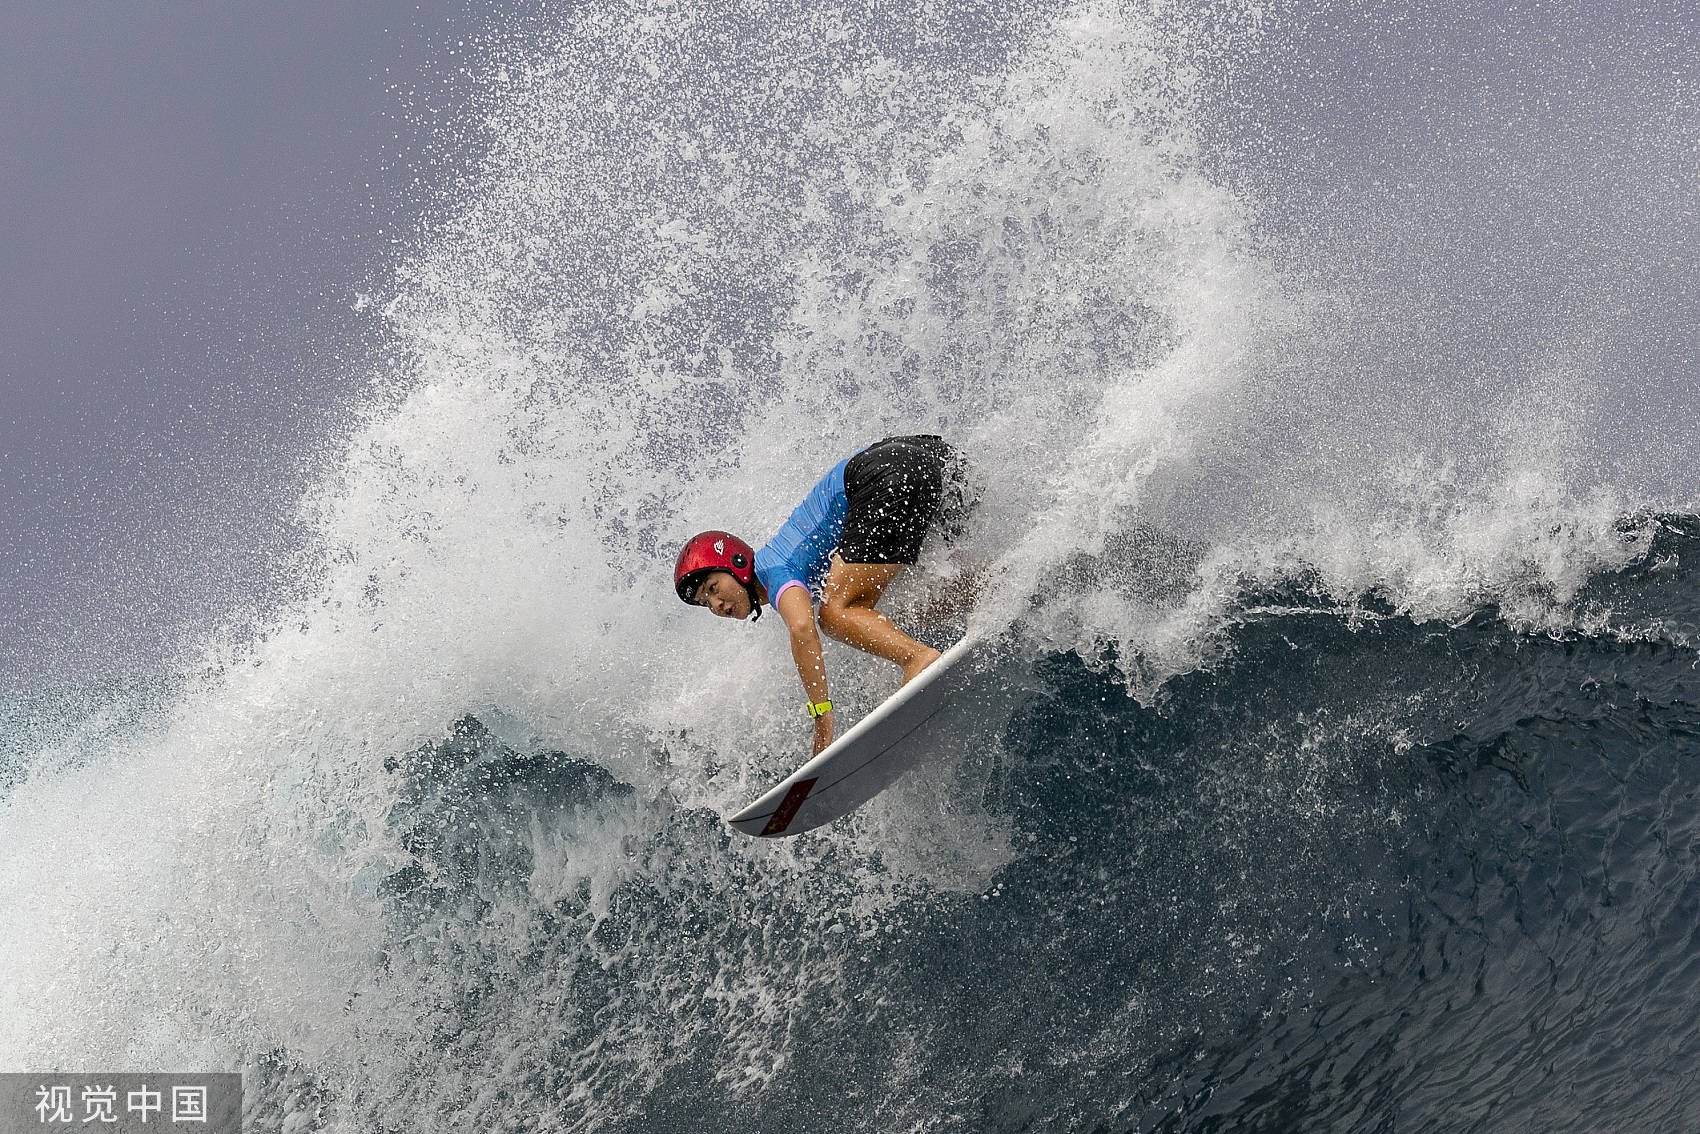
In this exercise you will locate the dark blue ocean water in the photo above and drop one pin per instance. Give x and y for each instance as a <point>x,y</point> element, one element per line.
<point>1330,371</point>
<point>1364,874</point>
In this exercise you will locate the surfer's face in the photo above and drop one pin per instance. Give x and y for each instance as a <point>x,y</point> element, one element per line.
<point>722,593</point>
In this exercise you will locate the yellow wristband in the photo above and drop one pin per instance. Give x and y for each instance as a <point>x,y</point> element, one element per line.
<point>820,708</point>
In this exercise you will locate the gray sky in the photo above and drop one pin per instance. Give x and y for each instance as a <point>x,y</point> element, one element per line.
<point>193,191</point>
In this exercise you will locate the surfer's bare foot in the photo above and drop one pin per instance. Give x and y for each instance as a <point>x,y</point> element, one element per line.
<point>918,662</point>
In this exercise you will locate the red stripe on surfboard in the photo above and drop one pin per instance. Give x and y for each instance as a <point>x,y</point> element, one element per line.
<point>788,807</point>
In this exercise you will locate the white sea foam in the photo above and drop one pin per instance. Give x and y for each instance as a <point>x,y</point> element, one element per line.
<point>712,252</point>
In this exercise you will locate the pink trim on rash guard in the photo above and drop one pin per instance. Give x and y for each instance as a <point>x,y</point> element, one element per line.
<point>788,585</point>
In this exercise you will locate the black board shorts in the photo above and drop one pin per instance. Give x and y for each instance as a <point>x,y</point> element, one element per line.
<point>897,489</point>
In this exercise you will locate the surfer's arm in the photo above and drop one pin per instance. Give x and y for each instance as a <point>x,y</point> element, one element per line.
<point>798,610</point>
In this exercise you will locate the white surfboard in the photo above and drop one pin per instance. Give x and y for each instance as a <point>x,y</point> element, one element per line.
<point>905,730</point>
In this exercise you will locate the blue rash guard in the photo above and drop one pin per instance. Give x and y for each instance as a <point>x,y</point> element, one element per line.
<point>801,552</point>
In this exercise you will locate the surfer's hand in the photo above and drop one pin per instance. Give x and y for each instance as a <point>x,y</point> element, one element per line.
<point>823,732</point>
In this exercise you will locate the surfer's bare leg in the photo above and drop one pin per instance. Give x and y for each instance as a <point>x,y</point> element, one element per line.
<point>847,613</point>
<point>954,597</point>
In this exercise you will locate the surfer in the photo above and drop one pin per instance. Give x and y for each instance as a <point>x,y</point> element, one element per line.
<point>860,525</point>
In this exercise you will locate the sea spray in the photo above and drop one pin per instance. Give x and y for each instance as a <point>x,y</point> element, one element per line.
<point>441,847</point>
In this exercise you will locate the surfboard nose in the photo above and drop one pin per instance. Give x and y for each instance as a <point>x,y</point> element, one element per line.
<point>905,730</point>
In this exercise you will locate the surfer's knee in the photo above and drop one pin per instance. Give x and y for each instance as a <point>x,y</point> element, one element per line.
<point>835,615</point>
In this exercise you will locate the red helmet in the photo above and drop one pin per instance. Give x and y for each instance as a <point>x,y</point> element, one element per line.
<point>715,551</point>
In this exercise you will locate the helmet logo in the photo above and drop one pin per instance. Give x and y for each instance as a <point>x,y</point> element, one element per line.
<point>720,547</point>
